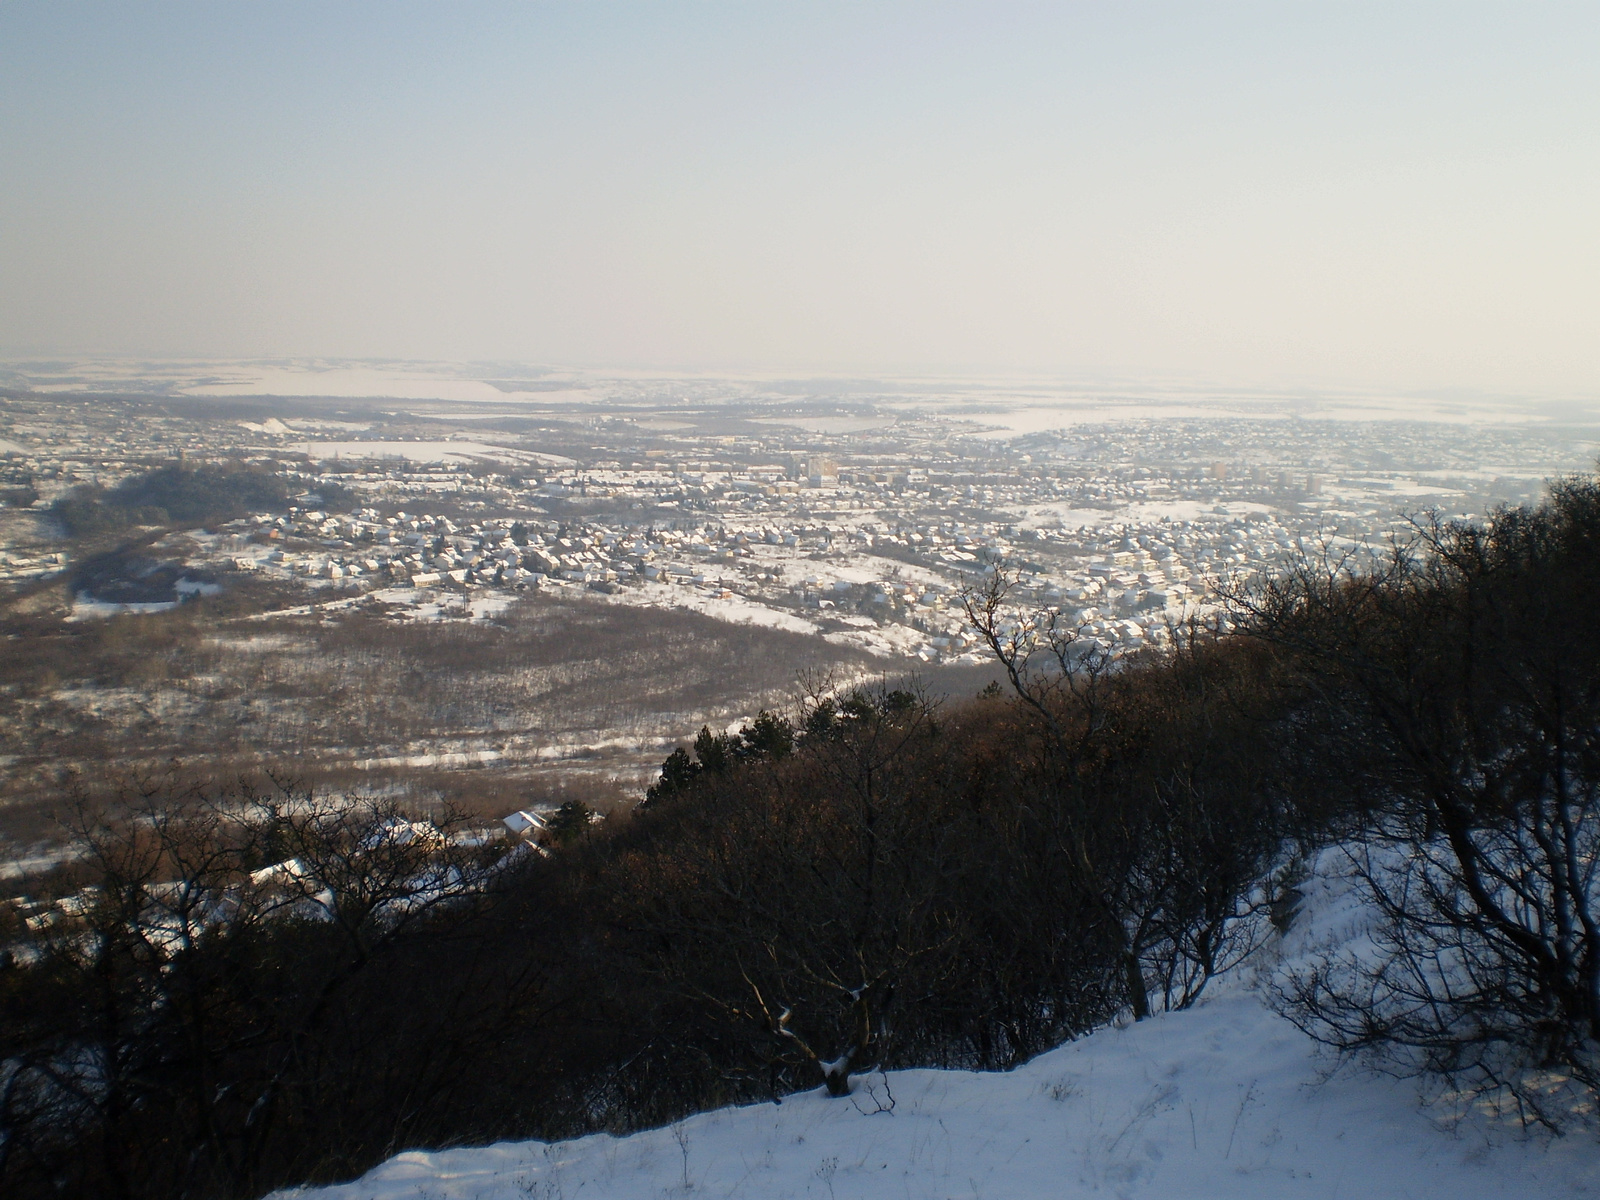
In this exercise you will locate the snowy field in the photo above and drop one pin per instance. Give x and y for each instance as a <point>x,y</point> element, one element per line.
<point>453,451</point>
<point>1227,1101</point>
<point>1007,406</point>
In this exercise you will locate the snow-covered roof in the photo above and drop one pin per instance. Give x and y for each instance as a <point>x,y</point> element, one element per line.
<point>522,821</point>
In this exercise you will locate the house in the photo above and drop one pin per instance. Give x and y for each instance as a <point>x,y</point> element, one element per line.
<point>398,831</point>
<point>281,874</point>
<point>523,823</point>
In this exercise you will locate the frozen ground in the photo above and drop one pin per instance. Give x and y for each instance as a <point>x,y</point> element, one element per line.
<point>736,609</point>
<point>85,607</point>
<point>1226,1101</point>
<point>453,451</point>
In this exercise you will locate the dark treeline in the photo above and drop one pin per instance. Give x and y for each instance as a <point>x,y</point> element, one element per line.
<point>178,494</point>
<point>269,989</point>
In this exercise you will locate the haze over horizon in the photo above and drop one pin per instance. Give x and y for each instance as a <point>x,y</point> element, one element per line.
<point>1387,196</point>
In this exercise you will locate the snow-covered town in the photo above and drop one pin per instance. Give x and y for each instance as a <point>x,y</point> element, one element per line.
<point>863,524</point>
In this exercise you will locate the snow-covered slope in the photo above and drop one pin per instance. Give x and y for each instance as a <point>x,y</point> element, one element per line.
<point>1226,1100</point>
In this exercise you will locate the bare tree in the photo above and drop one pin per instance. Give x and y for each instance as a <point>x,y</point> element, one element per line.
<point>1048,659</point>
<point>1163,810</point>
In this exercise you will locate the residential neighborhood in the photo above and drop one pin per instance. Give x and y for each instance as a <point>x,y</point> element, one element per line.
<point>864,528</point>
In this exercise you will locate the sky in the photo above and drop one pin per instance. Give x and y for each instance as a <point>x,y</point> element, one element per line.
<point>1392,194</point>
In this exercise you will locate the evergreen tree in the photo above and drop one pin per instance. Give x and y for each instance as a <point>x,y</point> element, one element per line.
<point>570,822</point>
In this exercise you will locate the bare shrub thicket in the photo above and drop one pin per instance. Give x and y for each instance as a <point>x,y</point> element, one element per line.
<point>1166,782</point>
<point>966,887</point>
<point>1451,693</point>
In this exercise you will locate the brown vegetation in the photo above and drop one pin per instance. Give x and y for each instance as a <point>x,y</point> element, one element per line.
<point>480,712</point>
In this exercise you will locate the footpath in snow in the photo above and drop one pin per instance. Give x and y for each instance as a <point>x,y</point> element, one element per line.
<point>1225,1101</point>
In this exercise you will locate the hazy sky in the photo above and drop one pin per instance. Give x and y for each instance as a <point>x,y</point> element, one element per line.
<point>1386,194</point>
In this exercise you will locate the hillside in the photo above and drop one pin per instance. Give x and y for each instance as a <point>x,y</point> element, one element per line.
<point>1223,1100</point>
<point>1369,805</point>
